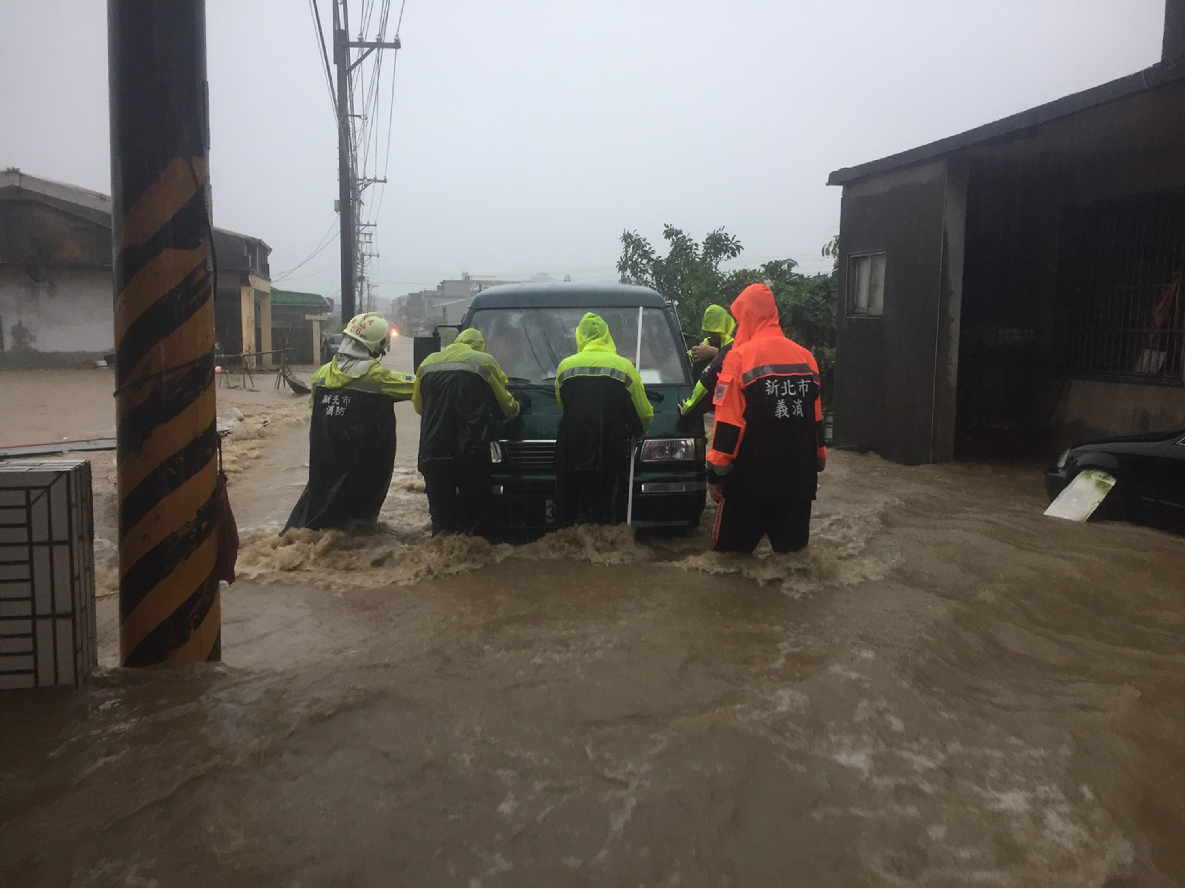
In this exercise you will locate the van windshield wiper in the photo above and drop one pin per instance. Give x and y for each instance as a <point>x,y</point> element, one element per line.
<point>523,383</point>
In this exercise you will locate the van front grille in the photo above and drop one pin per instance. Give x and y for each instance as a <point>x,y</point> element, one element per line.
<point>530,454</point>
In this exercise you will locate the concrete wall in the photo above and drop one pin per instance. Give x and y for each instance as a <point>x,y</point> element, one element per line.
<point>70,312</point>
<point>895,374</point>
<point>1092,409</point>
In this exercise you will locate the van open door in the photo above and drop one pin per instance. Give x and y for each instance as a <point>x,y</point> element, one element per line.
<point>423,346</point>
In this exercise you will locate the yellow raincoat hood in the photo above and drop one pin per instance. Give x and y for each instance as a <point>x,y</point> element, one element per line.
<point>472,338</point>
<point>717,320</point>
<point>593,334</point>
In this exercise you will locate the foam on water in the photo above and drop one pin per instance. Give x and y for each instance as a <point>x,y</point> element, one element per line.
<point>370,555</point>
<point>840,552</point>
<point>598,544</point>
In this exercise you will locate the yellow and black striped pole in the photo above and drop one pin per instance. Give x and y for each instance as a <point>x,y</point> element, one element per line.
<point>164,333</point>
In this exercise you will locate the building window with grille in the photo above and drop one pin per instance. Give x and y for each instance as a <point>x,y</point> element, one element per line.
<point>866,284</point>
<point>1124,313</point>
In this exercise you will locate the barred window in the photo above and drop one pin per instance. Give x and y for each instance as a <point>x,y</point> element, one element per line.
<point>866,284</point>
<point>1125,314</point>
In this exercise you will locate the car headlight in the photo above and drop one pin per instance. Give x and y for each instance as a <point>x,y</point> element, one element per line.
<point>1061,461</point>
<point>656,450</point>
<point>495,452</point>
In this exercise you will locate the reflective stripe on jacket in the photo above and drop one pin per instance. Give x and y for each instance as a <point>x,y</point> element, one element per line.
<point>363,375</point>
<point>604,402</point>
<point>460,391</point>
<point>769,416</point>
<point>596,356</point>
<point>468,355</point>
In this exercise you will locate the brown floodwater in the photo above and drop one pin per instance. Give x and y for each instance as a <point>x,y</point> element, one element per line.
<point>945,688</point>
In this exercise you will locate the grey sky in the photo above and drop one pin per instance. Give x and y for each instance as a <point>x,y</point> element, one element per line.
<point>529,133</point>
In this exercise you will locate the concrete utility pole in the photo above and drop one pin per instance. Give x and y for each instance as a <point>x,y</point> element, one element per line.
<point>164,333</point>
<point>349,188</point>
<point>345,165</point>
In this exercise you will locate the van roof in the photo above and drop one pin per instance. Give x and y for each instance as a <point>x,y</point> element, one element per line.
<point>517,296</point>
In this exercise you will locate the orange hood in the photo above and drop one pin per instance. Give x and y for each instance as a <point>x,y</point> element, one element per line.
<point>756,314</point>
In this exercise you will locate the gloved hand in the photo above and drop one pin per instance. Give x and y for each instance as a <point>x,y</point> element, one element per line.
<point>524,402</point>
<point>683,406</point>
<point>820,464</point>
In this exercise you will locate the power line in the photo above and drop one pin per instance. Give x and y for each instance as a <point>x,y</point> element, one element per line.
<point>390,117</point>
<point>325,241</point>
<point>390,120</point>
<point>309,274</point>
<point>316,13</point>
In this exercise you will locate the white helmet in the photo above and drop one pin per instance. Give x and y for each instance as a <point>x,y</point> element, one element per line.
<point>372,331</point>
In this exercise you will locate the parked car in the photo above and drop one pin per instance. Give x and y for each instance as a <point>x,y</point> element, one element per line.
<point>1149,473</point>
<point>329,346</point>
<point>530,328</point>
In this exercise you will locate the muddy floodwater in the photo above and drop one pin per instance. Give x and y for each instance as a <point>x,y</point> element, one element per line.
<point>945,688</point>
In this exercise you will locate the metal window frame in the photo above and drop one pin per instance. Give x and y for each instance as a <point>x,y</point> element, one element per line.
<point>1128,252</point>
<point>850,295</point>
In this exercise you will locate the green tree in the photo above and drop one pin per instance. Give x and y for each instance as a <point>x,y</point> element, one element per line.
<point>689,277</point>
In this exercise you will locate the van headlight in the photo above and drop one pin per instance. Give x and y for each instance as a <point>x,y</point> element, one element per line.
<point>1061,461</point>
<point>495,452</point>
<point>661,450</point>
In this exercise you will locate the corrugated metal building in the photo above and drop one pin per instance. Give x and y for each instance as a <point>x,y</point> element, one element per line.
<point>1017,287</point>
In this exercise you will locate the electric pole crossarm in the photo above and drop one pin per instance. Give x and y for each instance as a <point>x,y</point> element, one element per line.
<point>370,46</point>
<point>375,44</point>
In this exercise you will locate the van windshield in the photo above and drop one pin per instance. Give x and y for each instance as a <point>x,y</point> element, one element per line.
<point>530,343</point>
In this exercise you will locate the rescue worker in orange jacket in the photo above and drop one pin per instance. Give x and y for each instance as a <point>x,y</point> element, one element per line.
<point>767,446</point>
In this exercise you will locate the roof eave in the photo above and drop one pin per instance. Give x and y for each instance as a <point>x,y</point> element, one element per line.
<point>1014,125</point>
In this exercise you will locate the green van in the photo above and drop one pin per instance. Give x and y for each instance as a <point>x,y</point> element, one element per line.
<point>530,328</point>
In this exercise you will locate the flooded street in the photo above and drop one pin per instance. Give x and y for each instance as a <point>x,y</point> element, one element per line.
<point>945,688</point>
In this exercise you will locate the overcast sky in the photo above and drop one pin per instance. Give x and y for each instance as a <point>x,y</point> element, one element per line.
<point>528,133</point>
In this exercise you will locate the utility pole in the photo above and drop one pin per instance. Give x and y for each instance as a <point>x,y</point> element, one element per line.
<point>345,166</point>
<point>166,439</point>
<point>347,200</point>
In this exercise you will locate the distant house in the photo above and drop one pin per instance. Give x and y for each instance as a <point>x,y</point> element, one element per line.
<point>297,320</point>
<point>421,311</point>
<point>56,292</point>
<point>1017,287</point>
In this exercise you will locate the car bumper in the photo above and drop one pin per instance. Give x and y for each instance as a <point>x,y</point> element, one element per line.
<point>666,501</point>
